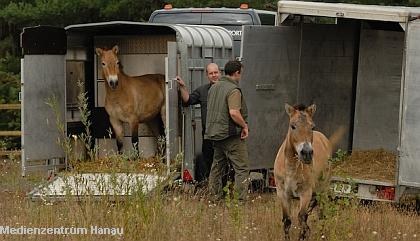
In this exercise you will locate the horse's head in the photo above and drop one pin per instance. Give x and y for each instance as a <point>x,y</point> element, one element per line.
<point>301,128</point>
<point>110,65</point>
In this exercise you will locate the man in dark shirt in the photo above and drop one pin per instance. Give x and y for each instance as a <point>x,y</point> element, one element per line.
<point>199,96</point>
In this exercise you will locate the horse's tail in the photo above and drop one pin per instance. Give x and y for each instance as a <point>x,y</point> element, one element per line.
<point>337,136</point>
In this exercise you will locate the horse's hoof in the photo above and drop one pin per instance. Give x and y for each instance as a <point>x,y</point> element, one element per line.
<point>302,237</point>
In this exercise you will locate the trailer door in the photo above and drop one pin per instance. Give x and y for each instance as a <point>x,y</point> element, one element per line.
<point>270,56</point>
<point>43,97</point>
<point>171,125</point>
<point>409,164</point>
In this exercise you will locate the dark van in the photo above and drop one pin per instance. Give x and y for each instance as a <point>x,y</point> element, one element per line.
<point>230,18</point>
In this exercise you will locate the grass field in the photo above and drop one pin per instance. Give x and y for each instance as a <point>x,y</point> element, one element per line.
<point>176,215</point>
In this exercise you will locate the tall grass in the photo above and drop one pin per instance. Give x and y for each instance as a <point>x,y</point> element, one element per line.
<point>174,215</point>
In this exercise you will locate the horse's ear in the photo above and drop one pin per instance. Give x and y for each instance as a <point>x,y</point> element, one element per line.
<point>311,109</point>
<point>289,109</point>
<point>99,51</point>
<point>115,49</point>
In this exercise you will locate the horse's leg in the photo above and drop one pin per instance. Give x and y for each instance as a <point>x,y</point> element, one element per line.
<point>305,202</point>
<point>312,203</point>
<point>162,130</point>
<point>134,125</point>
<point>163,114</point>
<point>285,201</point>
<point>155,127</point>
<point>117,125</point>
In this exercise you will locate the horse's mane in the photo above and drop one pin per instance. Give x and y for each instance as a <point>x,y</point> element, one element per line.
<point>299,107</point>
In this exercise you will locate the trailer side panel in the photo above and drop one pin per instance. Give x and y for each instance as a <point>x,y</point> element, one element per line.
<point>409,164</point>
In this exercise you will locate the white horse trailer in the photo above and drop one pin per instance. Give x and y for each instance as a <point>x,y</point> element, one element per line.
<point>359,64</point>
<point>55,59</point>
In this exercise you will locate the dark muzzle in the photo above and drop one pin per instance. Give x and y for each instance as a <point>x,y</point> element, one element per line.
<point>113,84</point>
<point>306,154</point>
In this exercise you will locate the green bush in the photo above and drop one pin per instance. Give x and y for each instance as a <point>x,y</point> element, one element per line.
<point>9,119</point>
<point>10,64</point>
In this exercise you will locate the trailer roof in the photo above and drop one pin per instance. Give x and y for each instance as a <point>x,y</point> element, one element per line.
<point>344,10</point>
<point>192,35</point>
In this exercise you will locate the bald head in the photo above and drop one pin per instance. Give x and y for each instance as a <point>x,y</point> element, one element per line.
<point>213,72</point>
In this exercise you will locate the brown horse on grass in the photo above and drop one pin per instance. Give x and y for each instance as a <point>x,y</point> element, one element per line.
<point>301,167</point>
<point>130,99</point>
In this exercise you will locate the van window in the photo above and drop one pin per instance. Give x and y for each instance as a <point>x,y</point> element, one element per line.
<point>227,19</point>
<point>178,17</point>
<point>267,19</point>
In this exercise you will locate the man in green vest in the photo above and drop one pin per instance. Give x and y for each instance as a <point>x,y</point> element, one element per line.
<point>228,129</point>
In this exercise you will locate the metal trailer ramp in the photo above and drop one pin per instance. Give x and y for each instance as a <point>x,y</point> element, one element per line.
<point>96,185</point>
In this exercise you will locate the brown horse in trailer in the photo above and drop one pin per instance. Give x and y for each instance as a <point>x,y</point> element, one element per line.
<point>301,168</point>
<point>130,99</point>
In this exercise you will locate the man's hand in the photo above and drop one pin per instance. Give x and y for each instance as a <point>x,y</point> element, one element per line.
<point>185,96</point>
<point>180,81</point>
<point>244,132</point>
<point>239,120</point>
